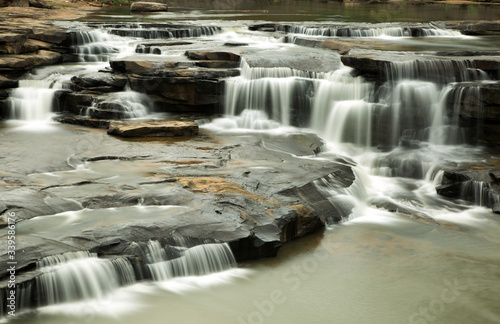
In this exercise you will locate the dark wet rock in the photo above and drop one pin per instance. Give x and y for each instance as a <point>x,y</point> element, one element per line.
<point>74,102</point>
<point>496,208</point>
<point>474,185</point>
<point>164,128</point>
<point>101,79</point>
<point>218,64</point>
<point>268,27</point>
<point>495,174</point>
<point>213,56</point>
<point>235,44</point>
<point>148,7</point>
<point>6,83</point>
<point>254,209</point>
<point>181,93</point>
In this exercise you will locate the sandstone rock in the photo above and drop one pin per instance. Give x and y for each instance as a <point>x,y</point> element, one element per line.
<point>49,34</point>
<point>153,128</point>
<point>140,67</point>
<point>148,7</point>
<point>28,61</point>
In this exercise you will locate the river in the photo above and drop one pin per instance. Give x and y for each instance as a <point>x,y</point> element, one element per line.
<point>434,260</point>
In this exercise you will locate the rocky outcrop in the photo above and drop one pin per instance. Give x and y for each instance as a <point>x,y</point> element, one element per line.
<point>148,7</point>
<point>101,81</point>
<point>24,45</point>
<point>179,88</point>
<point>200,189</point>
<point>165,128</point>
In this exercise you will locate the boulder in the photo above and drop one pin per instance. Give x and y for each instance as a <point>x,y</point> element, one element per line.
<point>40,4</point>
<point>49,34</point>
<point>148,7</point>
<point>150,128</point>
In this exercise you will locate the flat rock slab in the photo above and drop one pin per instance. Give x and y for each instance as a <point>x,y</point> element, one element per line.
<point>164,128</point>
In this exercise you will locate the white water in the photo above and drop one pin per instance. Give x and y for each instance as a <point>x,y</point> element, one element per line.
<point>80,275</point>
<point>195,261</point>
<point>339,98</point>
<point>33,100</point>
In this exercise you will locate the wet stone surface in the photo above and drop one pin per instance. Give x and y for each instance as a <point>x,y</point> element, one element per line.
<point>101,193</point>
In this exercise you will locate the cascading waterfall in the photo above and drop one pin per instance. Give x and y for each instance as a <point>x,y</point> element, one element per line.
<point>33,99</point>
<point>371,31</point>
<point>80,275</point>
<point>277,92</point>
<point>122,105</point>
<point>199,260</point>
<point>95,45</point>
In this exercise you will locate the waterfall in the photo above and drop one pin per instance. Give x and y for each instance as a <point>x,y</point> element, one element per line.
<point>277,92</point>
<point>195,261</point>
<point>95,45</point>
<point>80,275</point>
<point>371,31</point>
<point>121,105</point>
<point>33,99</point>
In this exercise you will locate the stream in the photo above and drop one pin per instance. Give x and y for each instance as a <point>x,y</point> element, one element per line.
<point>402,254</point>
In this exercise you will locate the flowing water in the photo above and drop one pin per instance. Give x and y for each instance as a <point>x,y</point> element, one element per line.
<point>403,254</point>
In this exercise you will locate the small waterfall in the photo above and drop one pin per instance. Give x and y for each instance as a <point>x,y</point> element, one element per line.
<point>341,109</point>
<point>95,45</point>
<point>121,105</point>
<point>479,192</point>
<point>80,275</point>
<point>165,32</point>
<point>439,71</point>
<point>33,99</point>
<point>277,92</point>
<point>195,261</point>
<point>350,121</point>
